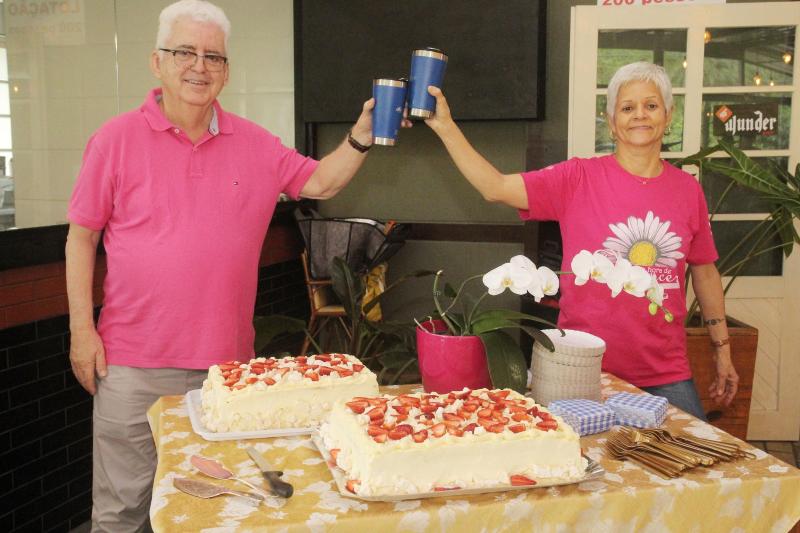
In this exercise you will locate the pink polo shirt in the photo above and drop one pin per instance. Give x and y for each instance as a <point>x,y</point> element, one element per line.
<point>184,226</point>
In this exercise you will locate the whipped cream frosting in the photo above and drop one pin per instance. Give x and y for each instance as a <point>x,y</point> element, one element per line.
<point>274,393</point>
<point>418,443</point>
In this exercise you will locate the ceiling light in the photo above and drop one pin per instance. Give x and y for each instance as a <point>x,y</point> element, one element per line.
<point>706,36</point>
<point>787,57</point>
<point>757,79</point>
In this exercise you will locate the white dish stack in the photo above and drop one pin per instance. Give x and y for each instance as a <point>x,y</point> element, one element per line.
<point>572,371</point>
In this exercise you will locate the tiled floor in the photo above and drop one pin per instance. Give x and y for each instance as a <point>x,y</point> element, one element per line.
<point>788,452</point>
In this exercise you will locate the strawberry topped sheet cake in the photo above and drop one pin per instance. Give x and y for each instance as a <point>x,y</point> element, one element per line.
<point>428,442</point>
<point>275,393</point>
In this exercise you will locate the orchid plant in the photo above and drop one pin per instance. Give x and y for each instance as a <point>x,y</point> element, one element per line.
<point>520,275</point>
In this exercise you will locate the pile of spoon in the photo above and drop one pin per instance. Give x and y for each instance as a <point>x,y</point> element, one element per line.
<point>658,450</point>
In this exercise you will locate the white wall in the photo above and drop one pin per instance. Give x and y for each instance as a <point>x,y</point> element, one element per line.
<point>71,76</point>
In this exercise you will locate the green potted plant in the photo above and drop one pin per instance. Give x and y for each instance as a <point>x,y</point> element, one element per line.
<point>776,232</point>
<point>464,345</point>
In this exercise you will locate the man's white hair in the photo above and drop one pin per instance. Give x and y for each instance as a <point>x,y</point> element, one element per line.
<point>639,71</point>
<point>197,10</point>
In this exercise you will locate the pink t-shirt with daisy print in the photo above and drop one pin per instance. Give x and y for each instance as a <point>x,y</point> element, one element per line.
<point>659,223</point>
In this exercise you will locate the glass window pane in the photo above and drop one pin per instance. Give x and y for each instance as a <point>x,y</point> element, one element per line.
<point>738,199</point>
<point>672,142</point>
<point>741,120</point>
<point>748,56</point>
<point>6,159</point>
<point>735,241</point>
<point>3,65</point>
<point>5,108</point>
<point>620,47</point>
<point>5,133</point>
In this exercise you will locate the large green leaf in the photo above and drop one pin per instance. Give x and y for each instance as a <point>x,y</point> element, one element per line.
<point>485,320</point>
<point>507,366</point>
<point>269,327</point>
<point>746,171</point>
<point>348,287</point>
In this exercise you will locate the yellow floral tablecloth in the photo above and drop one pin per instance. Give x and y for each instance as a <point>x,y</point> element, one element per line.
<point>761,494</point>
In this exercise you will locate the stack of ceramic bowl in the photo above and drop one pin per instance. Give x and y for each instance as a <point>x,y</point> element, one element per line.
<point>571,371</point>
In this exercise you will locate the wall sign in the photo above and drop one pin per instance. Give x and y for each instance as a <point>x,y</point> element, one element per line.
<point>646,3</point>
<point>747,120</point>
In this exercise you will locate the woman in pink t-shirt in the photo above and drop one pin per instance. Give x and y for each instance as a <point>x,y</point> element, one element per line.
<point>630,205</point>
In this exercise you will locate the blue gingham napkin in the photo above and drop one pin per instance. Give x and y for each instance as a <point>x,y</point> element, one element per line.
<point>638,410</point>
<point>585,416</point>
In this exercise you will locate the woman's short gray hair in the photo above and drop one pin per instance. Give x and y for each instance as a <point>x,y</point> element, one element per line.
<point>639,71</point>
<point>197,10</point>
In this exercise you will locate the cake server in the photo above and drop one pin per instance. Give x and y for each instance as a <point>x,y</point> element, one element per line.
<point>277,485</point>
<point>201,489</point>
<point>214,469</point>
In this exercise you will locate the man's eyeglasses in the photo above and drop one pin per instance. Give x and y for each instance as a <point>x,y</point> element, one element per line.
<point>187,58</point>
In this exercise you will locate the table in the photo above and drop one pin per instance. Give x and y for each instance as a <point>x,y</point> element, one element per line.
<point>761,494</point>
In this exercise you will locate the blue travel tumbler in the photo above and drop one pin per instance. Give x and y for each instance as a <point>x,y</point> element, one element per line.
<point>390,98</point>
<point>427,68</point>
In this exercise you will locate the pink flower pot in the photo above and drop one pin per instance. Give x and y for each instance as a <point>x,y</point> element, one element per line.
<point>449,363</point>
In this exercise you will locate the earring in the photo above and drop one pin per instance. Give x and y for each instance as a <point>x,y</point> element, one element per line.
<point>613,137</point>
<point>668,130</point>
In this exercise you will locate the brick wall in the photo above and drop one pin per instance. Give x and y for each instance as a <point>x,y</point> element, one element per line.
<point>45,416</point>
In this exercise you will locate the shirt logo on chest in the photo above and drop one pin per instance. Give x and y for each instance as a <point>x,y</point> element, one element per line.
<point>645,242</point>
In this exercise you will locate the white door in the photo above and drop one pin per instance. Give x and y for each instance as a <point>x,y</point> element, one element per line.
<point>738,54</point>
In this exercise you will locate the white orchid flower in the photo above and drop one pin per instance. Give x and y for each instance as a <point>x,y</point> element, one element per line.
<point>536,287</point>
<point>639,280</point>
<point>586,266</point>
<point>655,293</point>
<point>618,276</point>
<point>581,266</point>
<point>549,281</point>
<point>508,276</point>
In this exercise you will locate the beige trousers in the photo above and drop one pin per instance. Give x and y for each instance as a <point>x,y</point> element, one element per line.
<point>124,457</point>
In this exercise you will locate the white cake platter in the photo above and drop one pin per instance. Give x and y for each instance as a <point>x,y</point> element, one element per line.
<point>194,406</point>
<point>593,471</point>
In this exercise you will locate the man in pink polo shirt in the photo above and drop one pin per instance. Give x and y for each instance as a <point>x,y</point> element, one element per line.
<point>183,193</point>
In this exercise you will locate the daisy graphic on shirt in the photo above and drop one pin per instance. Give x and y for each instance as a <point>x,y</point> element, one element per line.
<point>647,243</point>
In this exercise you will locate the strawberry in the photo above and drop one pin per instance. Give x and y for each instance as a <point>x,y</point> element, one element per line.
<point>547,425</point>
<point>401,418</point>
<point>453,417</point>
<point>257,370</point>
<point>470,428</point>
<point>377,401</point>
<point>407,429</point>
<point>470,407</point>
<point>485,413</point>
<point>334,453</point>
<point>239,387</point>
<point>463,395</point>
<point>452,423</point>
<point>429,408</point>
<point>520,480</point>
<point>380,438</point>
<point>516,409</point>
<point>323,357</point>
<point>313,376</point>
<point>464,414</point>
<point>251,380</point>
<point>396,434</point>
<point>455,431</point>
<point>374,431</point>
<point>358,368</point>
<point>438,430</point>
<point>325,371</point>
<point>389,425</point>
<point>496,428</point>
<point>402,409</point>
<point>357,406</point>
<point>499,394</point>
<point>533,411</point>
<point>376,413</point>
<point>282,371</point>
<point>517,428</point>
<point>302,359</point>
<point>231,381</point>
<point>520,417</point>
<point>352,485</point>
<point>228,366</point>
<point>268,381</point>
<point>420,435</point>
